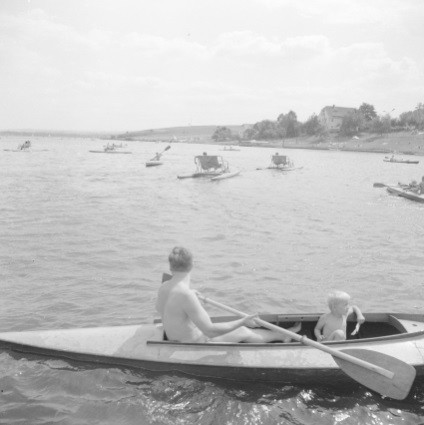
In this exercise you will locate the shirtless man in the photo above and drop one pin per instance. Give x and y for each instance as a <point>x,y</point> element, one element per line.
<point>332,326</point>
<point>184,318</point>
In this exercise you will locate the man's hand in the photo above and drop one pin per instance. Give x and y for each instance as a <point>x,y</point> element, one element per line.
<point>250,321</point>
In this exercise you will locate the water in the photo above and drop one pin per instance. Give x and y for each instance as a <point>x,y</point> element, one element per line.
<point>85,239</point>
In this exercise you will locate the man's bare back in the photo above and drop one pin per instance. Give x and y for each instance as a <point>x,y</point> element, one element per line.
<point>172,297</point>
<point>184,318</point>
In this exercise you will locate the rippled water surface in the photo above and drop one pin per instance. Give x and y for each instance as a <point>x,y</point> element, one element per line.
<point>85,239</point>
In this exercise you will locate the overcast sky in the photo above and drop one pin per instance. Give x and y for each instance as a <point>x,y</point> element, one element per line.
<point>124,65</point>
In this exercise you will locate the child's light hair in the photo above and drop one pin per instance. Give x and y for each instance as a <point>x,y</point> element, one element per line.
<point>335,297</point>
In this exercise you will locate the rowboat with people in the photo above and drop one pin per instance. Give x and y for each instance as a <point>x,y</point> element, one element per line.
<point>212,166</point>
<point>385,354</point>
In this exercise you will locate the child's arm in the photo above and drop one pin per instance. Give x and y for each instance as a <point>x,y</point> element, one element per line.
<point>318,328</point>
<point>359,316</point>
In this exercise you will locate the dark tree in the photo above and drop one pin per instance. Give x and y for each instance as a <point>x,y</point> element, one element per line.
<point>368,111</point>
<point>222,134</point>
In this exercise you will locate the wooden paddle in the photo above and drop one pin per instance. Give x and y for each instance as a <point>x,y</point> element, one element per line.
<point>166,149</point>
<point>384,374</point>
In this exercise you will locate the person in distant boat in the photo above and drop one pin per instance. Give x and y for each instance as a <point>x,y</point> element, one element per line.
<point>413,186</point>
<point>421,186</point>
<point>25,145</point>
<point>185,319</point>
<point>332,326</point>
<point>157,157</point>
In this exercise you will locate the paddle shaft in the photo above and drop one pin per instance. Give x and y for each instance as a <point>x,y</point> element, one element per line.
<point>167,148</point>
<point>303,339</point>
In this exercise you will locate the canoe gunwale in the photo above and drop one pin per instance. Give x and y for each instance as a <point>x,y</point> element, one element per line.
<point>401,336</point>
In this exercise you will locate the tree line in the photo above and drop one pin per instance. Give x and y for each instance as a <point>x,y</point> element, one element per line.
<point>363,119</point>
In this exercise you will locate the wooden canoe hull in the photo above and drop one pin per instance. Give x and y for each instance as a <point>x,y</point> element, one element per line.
<point>142,346</point>
<point>405,194</point>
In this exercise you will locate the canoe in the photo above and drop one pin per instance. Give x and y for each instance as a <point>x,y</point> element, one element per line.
<point>153,163</point>
<point>142,346</point>
<point>124,152</point>
<point>401,161</point>
<point>399,191</point>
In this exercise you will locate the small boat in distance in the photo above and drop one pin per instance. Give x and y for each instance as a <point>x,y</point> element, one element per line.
<point>282,163</point>
<point>405,192</point>
<point>212,166</point>
<point>399,160</point>
<point>153,163</point>
<point>111,148</point>
<point>156,160</point>
<point>24,147</point>
<point>230,148</point>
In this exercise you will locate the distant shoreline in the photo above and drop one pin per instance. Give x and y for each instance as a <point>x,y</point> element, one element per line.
<point>402,143</point>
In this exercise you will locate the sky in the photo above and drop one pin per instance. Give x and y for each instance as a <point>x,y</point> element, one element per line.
<point>128,65</point>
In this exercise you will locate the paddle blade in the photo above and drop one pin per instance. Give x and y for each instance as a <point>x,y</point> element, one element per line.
<point>397,387</point>
<point>379,185</point>
<point>167,148</point>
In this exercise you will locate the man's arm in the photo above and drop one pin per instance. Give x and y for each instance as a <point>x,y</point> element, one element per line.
<point>199,316</point>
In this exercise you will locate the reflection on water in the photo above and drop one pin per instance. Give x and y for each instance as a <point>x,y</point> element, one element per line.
<point>85,241</point>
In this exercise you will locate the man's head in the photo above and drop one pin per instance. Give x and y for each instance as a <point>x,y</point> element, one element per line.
<point>180,260</point>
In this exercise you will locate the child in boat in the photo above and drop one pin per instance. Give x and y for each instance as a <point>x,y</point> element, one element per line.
<point>332,326</point>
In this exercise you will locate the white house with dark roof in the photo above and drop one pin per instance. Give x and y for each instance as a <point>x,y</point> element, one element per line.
<point>331,117</point>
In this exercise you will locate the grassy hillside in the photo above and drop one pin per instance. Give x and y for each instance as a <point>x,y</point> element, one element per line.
<point>191,134</point>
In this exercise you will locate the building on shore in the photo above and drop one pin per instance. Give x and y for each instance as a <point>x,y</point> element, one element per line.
<point>331,117</point>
